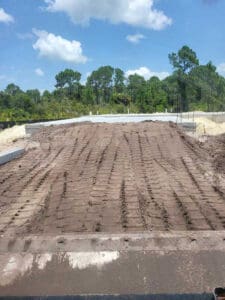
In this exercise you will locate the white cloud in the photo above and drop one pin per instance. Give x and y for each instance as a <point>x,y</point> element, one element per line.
<point>135,38</point>
<point>88,74</point>
<point>221,69</point>
<point>132,12</point>
<point>56,47</point>
<point>147,73</point>
<point>84,78</point>
<point>25,36</point>
<point>39,72</point>
<point>4,17</point>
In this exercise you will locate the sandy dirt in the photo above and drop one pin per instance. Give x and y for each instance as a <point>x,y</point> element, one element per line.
<point>111,178</point>
<point>12,137</point>
<point>208,127</point>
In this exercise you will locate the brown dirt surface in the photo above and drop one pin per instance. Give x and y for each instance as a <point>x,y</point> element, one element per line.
<point>216,147</point>
<point>110,178</point>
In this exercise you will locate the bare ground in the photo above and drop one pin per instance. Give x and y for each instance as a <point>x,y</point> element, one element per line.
<point>111,178</point>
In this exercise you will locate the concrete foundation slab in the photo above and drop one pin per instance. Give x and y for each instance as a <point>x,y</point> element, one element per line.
<point>187,124</point>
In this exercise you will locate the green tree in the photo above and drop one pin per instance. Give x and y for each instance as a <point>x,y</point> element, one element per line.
<point>183,62</point>
<point>171,88</point>
<point>121,98</point>
<point>157,98</point>
<point>68,79</point>
<point>5,100</point>
<point>136,87</point>
<point>23,102</point>
<point>101,83</point>
<point>119,78</point>
<point>12,89</point>
<point>34,95</point>
<point>47,96</point>
<point>206,90</point>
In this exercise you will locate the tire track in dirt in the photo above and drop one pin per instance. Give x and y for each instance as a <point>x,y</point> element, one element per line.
<point>216,218</point>
<point>140,195</point>
<point>148,164</point>
<point>154,182</point>
<point>32,195</point>
<point>110,178</point>
<point>101,180</point>
<point>177,207</point>
<point>123,205</point>
<point>189,205</point>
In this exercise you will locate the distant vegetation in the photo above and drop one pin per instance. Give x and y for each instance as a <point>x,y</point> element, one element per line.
<point>190,87</point>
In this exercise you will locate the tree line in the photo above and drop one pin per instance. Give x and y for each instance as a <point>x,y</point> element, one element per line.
<point>191,86</point>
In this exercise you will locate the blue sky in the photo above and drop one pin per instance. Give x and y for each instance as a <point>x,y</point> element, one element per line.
<point>39,38</point>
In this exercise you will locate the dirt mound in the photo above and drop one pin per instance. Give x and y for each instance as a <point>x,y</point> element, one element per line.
<point>12,137</point>
<point>110,178</point>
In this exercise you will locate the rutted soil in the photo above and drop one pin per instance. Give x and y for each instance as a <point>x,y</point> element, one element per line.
<point>111,178</point>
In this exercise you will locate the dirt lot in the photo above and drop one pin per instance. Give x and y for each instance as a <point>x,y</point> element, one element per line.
<point>111,178</point>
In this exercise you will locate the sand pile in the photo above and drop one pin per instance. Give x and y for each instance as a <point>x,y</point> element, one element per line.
<point>208,127</point>
<point>10,136</point>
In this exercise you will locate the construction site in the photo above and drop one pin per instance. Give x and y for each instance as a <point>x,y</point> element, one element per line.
<point>112,150</point>
<point>128,208</point>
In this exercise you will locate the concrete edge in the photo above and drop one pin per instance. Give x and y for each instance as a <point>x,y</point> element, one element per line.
<point>203,296</point>
<point>157,241</point>
<point>33,128</point>
<point>188,126</point>
<point>11,154</point>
